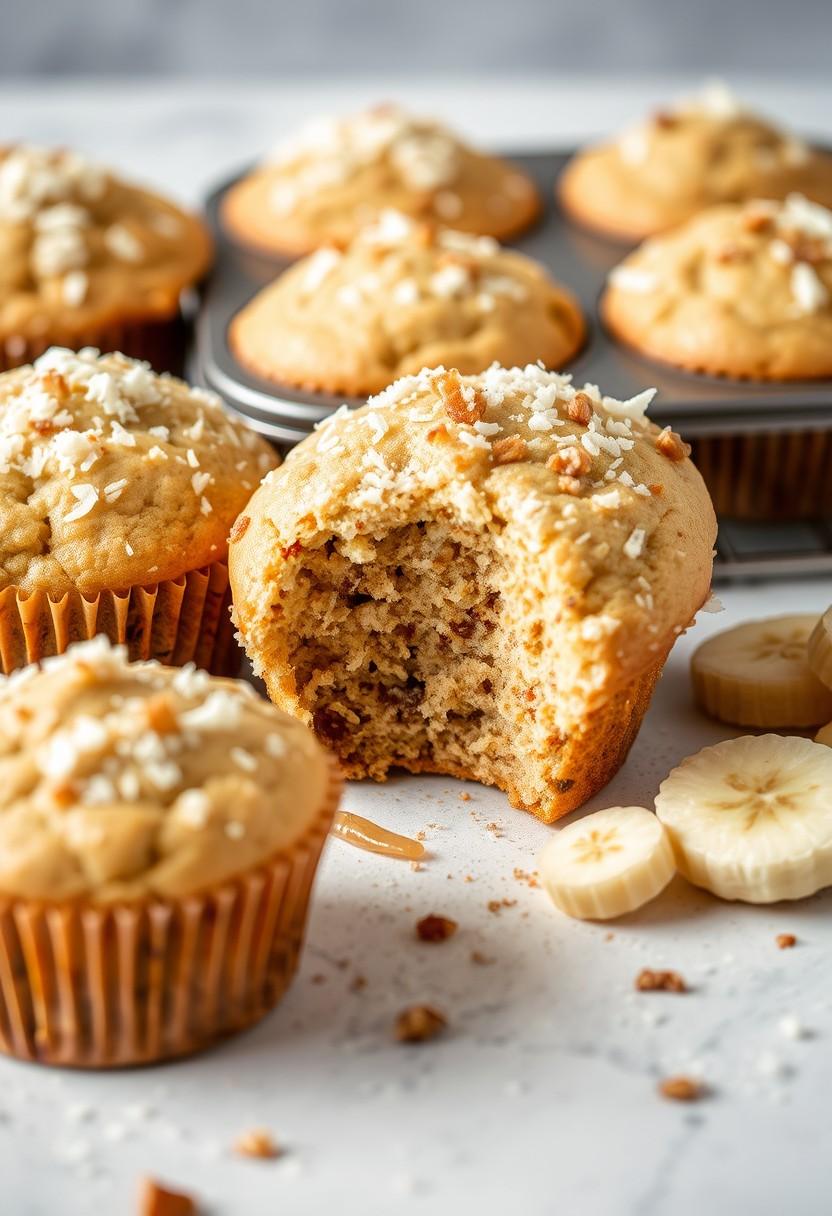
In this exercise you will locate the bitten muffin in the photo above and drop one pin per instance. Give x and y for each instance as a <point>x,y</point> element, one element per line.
<point>742,290</point>
<point>479,576</point>
<point>117,491</point>
<point>338,174</point>
<point>403,296</point>
<point>159,833</point>
<point>88,260</point>
<point>704,151</point>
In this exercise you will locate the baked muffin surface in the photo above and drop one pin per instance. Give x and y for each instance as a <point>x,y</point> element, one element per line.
<point>112,476</point>
<point>705,151</point>
<point>742,290</point>
<point>402,296</point>
<point>124,781</point>
<point>338,174</point>
<point>463,574</point>
<point>81,250</point>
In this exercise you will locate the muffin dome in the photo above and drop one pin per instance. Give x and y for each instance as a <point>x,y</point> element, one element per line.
<point>339,174</point>
<point>405,295</point>
<point>741,290</point>
<point>86,257</point>
<point>111,475</point>
<point>123,781</point>
<point>476,575</point>
<point>706,150</point>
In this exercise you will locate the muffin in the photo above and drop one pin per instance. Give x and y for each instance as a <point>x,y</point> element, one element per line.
<point>480,576</point>
<point>159,834</point>
<point>338,174</point>
<point>403,296</point>
<point>88,260</point>
<point>706,150</point>
<point>117,491</point>
<point>742,290</point>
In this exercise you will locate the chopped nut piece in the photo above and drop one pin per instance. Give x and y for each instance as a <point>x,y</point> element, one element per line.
<point>681,1089</point>
<point>435,928</point>
<point>579,409</point>
<point>54,384</point>
<point>572,461</point>
<point>438,434</point>
<point>257,1143</point>
<point>160,715</point>
<point>509,450</point>
<point>239,528</point>
<point>786,940</point>
<point>660,981</point>
<point>756,221</point>
<point>461,405</point>
<point>419,1023</point>
<point>156,1200</point>
<point>671,445</point>
<point>64,793</point>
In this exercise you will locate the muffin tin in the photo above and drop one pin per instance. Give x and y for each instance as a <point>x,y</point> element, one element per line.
<point>702,408</point>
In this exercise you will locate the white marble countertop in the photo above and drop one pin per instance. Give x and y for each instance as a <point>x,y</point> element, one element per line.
<point>542,1097</point>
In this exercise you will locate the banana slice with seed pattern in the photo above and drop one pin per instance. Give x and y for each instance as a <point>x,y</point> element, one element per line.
<point>751,818</point>
<point>758,674</point>
<point>820,649</point>
<point>608,863</point>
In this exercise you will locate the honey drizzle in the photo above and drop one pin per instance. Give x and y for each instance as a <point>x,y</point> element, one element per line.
<point>364,834</point>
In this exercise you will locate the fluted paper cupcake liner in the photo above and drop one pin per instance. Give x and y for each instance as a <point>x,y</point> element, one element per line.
<point>160,342</point>
<point>768,475</point>
<point>103,987</point>
<point>176,621</point>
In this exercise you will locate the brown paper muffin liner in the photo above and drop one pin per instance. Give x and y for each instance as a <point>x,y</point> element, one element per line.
<point>177,621</point>
<point>104,987</point>
<point>769,475</point>
<point>160,342</point>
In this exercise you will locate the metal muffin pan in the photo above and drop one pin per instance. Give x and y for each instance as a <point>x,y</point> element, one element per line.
<point>696,405</point>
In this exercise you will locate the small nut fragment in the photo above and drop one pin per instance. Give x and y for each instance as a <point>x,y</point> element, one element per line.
<point>257,1143</point>
<point>463,403</point>
<point>55,384</point>
<point>435,928</point>
<point>508,450</point>
<point>660,981</point>
<point>786,940</point>
<point>571,461</point>
<point>64,793</point>
<point>671,445</point>
<point>681,1089</point>
<point>156,1200</point>
<point>160,715</point>
<point>579,409</point>
<point>239,528</point>
<point>438,434</point>
<point>756,221</point>
<point>419,1023</point>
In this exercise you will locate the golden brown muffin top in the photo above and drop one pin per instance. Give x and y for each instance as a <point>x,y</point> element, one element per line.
<point>112,476</point>
<point>80,249</point>
<point>605,507</point>
<point>741,290</point>
<point>707,149</point>
<point>125,780</point>
<point>402,296</point>
<point>338,174</point>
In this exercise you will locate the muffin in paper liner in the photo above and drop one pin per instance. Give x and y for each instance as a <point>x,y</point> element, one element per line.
<point>767,475</point>
<point>177,621</point>
<point>97,986</point>
<point>161,342</point>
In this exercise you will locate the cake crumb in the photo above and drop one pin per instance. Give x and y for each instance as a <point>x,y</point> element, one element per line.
<point>529,877</point>
<point>660,981</point>
<point>358,983</point>
<point>434,928</point>
<point>464,796</point>
<point>157,1200</point>
<point>497,905</point>
<point>257,1143</point>
<point>785,941</point>
<point>418,1023</point>
<point>480,959</point>
<point>681,1089</point>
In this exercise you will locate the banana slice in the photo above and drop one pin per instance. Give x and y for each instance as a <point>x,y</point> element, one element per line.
<point>751,818</point>
<point>758,674</point>
<point>607,863</point>
<point>820,649</point>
